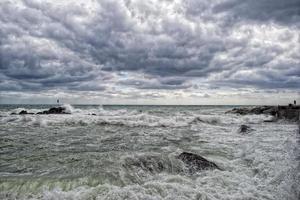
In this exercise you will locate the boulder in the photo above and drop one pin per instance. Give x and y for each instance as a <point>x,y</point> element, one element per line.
<point>196,163</point>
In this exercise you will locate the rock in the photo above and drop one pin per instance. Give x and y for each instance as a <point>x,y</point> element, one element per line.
<point>290,112</point>
<point>54,110</point>
<point>241,111</point>
<point>245,129</point>
<point>23,112</point>
<point>196,163</point>
<point>256,110</point>
<point>58,110</point>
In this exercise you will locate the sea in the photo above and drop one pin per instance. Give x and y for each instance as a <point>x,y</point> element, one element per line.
<point>131,152</point>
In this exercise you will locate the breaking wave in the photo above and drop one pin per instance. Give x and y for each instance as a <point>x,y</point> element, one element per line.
<point>128,152</point>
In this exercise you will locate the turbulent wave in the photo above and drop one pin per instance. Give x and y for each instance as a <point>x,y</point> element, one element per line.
<point>123,117</point>
<point>119,152</point>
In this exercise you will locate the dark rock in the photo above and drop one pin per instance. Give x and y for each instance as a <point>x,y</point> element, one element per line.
<point>241,111</point>
<point>256,110</point>
<point>54,110</point>
<point>196,163</point>
<point>290,112</point>
<point>245,129</point>
<point>23,112</point>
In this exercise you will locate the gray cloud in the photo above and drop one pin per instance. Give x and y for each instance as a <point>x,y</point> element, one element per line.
<point>85,45</point>
<point>286,12</point>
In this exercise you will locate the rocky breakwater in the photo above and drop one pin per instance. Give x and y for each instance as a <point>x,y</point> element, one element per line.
<point>290,112</point>
<point>54,110</point>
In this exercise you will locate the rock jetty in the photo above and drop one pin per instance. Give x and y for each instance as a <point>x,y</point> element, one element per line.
<point>54,110</point>
<point>290,112</point>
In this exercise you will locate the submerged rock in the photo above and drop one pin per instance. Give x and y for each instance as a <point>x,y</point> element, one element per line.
<point>245,129</point>
<point>196,163</point>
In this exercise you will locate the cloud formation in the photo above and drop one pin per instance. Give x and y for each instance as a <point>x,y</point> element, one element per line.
<point>130,46</point>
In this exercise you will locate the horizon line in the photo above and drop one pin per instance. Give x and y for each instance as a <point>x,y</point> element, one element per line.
<point>76,104</point>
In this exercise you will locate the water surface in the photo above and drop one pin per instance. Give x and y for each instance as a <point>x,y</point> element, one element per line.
<point>99,152</point>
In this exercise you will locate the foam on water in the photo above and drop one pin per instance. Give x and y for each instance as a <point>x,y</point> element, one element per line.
<point>130,153</point>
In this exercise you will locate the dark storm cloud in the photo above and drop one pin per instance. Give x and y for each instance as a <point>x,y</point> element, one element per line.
<point>83,45</point>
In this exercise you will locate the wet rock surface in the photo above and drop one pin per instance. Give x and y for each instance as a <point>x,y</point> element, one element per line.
<point>196,163</point>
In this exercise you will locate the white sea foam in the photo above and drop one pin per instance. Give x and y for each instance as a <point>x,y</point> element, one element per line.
<point>70,109</point>
<point>103,156</point>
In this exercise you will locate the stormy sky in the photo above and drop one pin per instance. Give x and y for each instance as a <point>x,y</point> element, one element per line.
<point>150,51</point>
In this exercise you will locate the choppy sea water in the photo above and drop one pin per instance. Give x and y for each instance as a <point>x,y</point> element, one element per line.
<point>103,156</point>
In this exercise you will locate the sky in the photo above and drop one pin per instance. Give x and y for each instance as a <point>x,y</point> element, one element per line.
<point>150,51</point>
